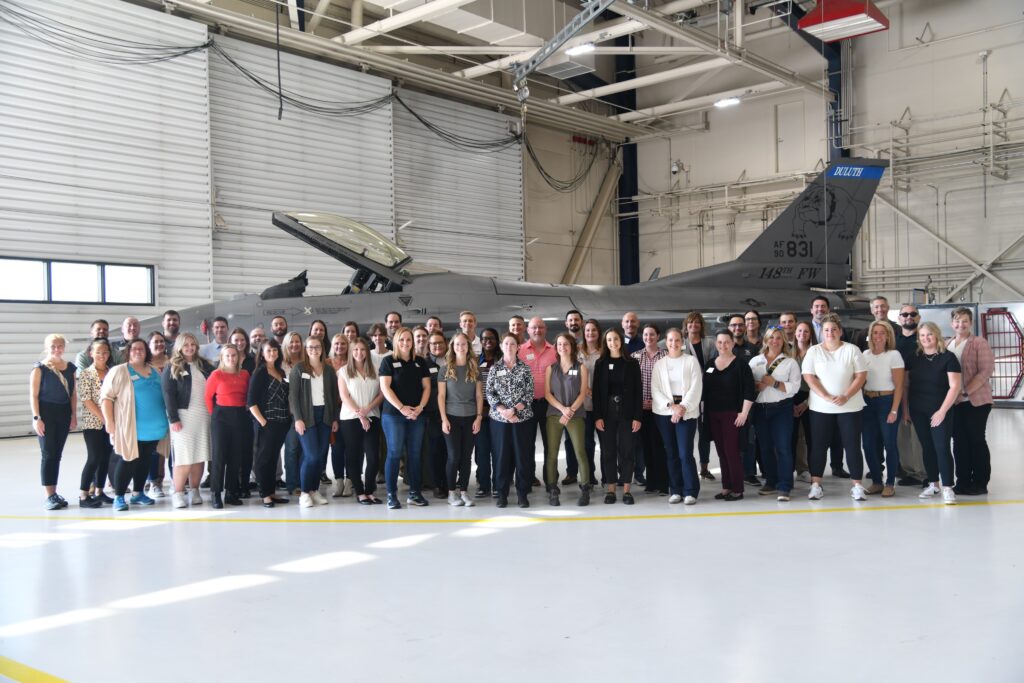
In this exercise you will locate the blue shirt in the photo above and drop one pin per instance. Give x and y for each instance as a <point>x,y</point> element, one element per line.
<point>150,415</point>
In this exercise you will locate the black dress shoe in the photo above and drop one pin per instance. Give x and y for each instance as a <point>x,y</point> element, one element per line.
<point>909,481</point>
<point>268,503</point>
<point>705,474</point>
<point>754,481</point>
<point>364,501</point>
<point>232,499</point>
<point>609,498</point>
<point>722,496</point>
<point>502,502</point>
<point>217,503</point>
<point>206,483</point>
<point>280,485</point>
<point>627,498</point>
<point>278,500</point>
<point>734,496</point>
<point>584,497</point>
<point>524,502</point>
<point>840,473</point>
<point>482,493</point>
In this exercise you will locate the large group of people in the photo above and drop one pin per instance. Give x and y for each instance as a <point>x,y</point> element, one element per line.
<point>412,404</point>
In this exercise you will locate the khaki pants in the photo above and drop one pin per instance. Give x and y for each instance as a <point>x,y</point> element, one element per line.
<point>554,434</point>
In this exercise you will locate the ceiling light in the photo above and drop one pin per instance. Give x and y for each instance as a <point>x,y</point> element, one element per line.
<point>833,20</point>
<point>580,50</point>
<point>727,102</point>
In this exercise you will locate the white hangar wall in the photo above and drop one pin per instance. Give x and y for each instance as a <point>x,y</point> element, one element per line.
<point>742,170</point>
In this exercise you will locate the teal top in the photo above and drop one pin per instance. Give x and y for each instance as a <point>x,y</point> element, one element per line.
<point>150,414</point>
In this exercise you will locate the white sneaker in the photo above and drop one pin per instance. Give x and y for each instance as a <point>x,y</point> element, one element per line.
<point>929,491</point>
<point>305,500</point>
<point>454,500</point>
<point>857,492</point>
<point>675,498</point>
<point>195,498</point>
<point>805,477</point>
<point>816,492</point>
<point>466,500</point>
<point>948,497</point>
<point>782,498</point>
<point>337,489</point>
<point>156,491</point>
<point>178,500</point>
<point>346,490</point>
<point>689,500</point>
<point>318,498</point>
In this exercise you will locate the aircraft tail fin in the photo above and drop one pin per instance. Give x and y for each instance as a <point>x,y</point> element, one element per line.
<point>811,241</point>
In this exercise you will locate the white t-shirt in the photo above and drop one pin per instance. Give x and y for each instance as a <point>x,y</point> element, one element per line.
<point>880,369</point>
<point>316,387</point>
<point>835,371</point>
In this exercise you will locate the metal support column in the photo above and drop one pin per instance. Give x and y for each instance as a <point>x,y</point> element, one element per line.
<point>629,185</point>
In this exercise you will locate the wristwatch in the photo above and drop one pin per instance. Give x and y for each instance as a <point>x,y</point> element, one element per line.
<point>35,417</point>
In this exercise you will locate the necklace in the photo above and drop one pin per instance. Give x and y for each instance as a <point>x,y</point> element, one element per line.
<point>931,356</point>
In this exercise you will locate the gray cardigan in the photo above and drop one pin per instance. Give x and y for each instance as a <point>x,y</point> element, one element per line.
<point>300,395</point>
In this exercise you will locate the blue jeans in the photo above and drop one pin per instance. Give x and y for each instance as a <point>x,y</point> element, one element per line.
<point>682,470</point>
<point>315,442</point>
<point>878,433</point>
<point>773,423</point>
<point>292,460</point>
<point>403,434</point>
<point>483,455</point>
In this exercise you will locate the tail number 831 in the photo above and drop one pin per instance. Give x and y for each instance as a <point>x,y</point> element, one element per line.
<point>793,248</point>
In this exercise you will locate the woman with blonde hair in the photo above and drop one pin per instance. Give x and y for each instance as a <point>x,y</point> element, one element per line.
<point>883,395</point>
<point>184,387</point>
<point>292,354</point>
<point>933,386</point>
<point>231,428</point>
<point>803,339</point>
<point>405,384</point>
<point>460,403</point>
<point>98,450</point>
<point>977,363</point>
<point>777,379</point>
<point>53,400</point>
<point>676,387</point>
<point>342,484</point>
<point>313,399</point>
<point>359,424</point>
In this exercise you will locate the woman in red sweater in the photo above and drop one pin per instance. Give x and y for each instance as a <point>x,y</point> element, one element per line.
<point>231,428</point>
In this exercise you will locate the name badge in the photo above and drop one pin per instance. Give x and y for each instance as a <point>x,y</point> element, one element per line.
<point>611,366</point>
<point>484,364</point>
<point>305,375</point>
<point>396,365</point>
<point>710,370</point>
<point>184,373</point>
<point>573,373</point>
<point>135,378</point>
<point>502,373</point>
<point>433,371</point>
<point>530,356</point>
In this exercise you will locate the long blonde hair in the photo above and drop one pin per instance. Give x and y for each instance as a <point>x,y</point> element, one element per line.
<point>786,351</point>
<point>351,369</point>
<point>472,365</point>
<point>940,343</point>
<point>178,363</point>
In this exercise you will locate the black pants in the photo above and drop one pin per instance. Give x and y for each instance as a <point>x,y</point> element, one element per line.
<point>970,449</point>
<point>271,439</point>
<point>823,430</point>
<point>617,449</point>
<point>539,421</point>
<point>134,471</point>
<point>460,451</point>
<point>938,458</point>
<point>231,436</point>
<point>703,443</point>
<point>56,419</point>
<point>513,448</point>
<point>98,450</point>
<point>654,453</point>
<point>360,444</point>
<point>434,454</point>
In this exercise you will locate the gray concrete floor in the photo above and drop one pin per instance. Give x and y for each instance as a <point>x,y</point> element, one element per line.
<point>755,590</point>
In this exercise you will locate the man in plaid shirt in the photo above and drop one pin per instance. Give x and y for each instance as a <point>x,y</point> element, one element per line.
<point>650,438</point>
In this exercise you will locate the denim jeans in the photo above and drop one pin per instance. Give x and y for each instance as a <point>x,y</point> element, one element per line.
<point>879,434</point>
<point>484,457</point>
<point>292,460</point>
<point>773,423</point>
<point>315,442</point>
<point>403,434</point>
<point>935,444</point>
<point>678,440</point>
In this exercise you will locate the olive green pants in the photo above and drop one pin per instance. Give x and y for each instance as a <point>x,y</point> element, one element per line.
<point>554,429</point>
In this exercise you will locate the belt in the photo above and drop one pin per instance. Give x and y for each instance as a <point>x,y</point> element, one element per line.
<point>876,394</point>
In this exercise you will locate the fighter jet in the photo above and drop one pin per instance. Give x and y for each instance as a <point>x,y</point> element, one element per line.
<point>805,251</point>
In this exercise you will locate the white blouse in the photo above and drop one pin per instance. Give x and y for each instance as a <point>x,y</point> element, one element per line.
<point>787,372</point>
<point>361,390</point>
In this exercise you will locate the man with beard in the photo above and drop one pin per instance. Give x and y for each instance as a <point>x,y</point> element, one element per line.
<point>911,456</point>
<point>279,328</point>
<point>172,325</point>
<point>574,324</point>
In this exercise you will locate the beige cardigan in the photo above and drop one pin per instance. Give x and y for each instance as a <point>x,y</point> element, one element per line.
<point>117,388</point>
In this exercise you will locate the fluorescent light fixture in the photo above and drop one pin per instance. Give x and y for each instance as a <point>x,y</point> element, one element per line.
<point>727,102</point>
<point>580,50</point>
<point>833,20</point>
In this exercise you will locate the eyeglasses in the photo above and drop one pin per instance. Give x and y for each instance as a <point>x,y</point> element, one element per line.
<point>735,324</point>
<point>909,315</point>
<point>436,344</point>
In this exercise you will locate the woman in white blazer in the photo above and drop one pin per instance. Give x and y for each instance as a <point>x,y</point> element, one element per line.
<point>676,386</point>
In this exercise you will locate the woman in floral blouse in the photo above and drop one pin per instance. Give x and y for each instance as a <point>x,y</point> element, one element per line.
<point>510,395</point>
<point>98,449</point>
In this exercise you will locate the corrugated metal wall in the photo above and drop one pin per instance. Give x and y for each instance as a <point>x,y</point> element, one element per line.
<point>104,162</point>
<point>466,207</point>
<point>302,162</point>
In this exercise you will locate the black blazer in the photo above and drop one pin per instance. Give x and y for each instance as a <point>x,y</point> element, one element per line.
<point>632,395</point>
<point>258,385</point>
<point>178,392</point>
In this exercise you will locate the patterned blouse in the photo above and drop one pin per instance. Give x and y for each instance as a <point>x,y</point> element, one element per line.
<point>507,387</point>
<point>89,390</point>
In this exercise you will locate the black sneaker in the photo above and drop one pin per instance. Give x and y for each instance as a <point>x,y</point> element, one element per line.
<point>416,498</point>
<point>104,498</point>
<point>753,481</point>
<point>52,502</point>
<point>90,503</point>
<point>609,498</point>
<point>482,493</point>
<point>206,483</point>
<point>627,498</point>
<point>502,502</point>
<point>639,479</point>
<point>524,502</point>
<point>393,503</point>
<point>909,481</point>
<point>280,485</point>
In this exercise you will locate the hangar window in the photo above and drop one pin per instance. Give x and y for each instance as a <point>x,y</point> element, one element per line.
<point>75,282</point>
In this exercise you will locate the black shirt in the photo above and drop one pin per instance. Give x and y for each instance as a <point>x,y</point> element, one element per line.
<point>406,380</point>
<point>726,390</point>
<point>698,353</point>
<point>929,381</point>
<point>907,346</point>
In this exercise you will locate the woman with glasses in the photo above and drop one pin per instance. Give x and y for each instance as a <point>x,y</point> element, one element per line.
<point>752,324</point>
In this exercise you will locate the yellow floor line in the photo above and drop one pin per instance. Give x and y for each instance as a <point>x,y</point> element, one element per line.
<point>510,512</point>
<point>22,673</point>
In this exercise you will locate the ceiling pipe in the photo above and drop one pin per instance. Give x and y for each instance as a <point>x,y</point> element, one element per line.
<point>698,103</point>
<point>642,81</point>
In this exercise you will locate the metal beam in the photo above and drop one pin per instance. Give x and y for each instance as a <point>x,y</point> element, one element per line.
<point>981,270</point>
<point>424,12</point>
<point>520,49</point>
<point>418,75</point>
<point>988,264</point>
<point>713,45</point>
<point>643,81</point>
<point>579,252</point>
<point>318,14</point>
<point>293,14</point>
<point>697,103</point>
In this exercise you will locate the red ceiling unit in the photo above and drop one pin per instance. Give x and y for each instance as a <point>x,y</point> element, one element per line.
<point>833,20</point>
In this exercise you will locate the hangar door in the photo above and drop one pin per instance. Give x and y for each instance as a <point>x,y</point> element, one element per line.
<point>99,162</point>
<point>305,161</point>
